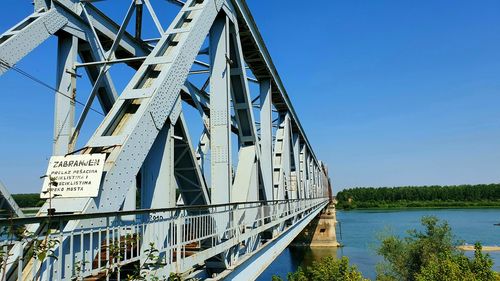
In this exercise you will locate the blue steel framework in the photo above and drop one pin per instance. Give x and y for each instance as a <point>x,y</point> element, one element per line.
<point>255,204</point>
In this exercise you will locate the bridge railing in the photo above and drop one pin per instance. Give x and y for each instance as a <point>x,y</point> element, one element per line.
<point>154,240</point>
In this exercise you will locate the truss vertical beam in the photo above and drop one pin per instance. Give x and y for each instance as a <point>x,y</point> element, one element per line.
<point>266,137</point>
<point>157,185</point>
<point>138,19</point>
<point>220,113</point>
<point>309,181</point>
<point>281,159</point>
<point>157,188</point>
<point>64,110</point>
<point>245,186</point>
<point>296,161</point>
<point>303,172</point>
<point>315,179</point>
<point>241,100</point>
<point>204,140</point>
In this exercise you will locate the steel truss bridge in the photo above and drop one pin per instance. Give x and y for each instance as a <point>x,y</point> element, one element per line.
<point>221,206</point>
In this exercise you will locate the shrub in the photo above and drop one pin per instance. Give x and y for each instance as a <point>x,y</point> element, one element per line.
<point>327,269</point>
<point>431,255</point>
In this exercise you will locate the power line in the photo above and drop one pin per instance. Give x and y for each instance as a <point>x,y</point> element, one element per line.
<point>33,78</point>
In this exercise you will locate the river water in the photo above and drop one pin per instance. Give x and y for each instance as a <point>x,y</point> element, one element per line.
<point>359,230</point>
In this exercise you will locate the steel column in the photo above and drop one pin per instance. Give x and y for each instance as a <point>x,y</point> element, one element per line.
<point>220,113</point>
<point>266,137</point>
<point>64,110</point>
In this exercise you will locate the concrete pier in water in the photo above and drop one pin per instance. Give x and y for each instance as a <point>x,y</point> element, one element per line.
<point>321,231</point>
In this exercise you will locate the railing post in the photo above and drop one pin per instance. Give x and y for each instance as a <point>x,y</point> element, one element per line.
<point>107,248</point>
<point>262,215</point>
<point>233,225</point>
<point>59,260</point>
<point>178,241</point>
<point>20,264</point>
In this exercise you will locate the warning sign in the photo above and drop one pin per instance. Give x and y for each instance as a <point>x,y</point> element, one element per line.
<point>73,176</point>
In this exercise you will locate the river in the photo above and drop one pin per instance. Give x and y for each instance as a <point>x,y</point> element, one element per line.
<point>358,231</point>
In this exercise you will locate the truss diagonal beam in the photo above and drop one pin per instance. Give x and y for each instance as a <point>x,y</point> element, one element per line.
<point>153,15</point>
<point>8,203</point>
<point>21,39</point>
<point>188,174</point>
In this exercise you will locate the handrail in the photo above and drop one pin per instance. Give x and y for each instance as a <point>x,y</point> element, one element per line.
<point>112,245</point>
<point>69,217</point>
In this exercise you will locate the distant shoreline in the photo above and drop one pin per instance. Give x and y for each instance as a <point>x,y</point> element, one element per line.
<point>420,207</point>
<point>421,197</point>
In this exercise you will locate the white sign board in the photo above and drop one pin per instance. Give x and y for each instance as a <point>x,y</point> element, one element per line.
<point>73,176</point>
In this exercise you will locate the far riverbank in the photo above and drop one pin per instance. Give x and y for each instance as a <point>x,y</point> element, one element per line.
<point>455,196</point>
<point>402,205</point>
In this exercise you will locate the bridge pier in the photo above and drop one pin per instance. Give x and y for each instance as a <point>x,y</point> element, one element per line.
<point>321,231</point>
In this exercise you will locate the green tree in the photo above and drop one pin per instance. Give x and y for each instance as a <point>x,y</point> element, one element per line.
<point>431,255</point>
<point>28,200</point>
<point>327,269</point>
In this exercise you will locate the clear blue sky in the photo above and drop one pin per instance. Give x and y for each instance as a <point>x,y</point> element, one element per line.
<point>390,92</point>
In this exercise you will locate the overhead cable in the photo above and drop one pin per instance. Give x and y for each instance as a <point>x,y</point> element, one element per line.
<point>5,65</point>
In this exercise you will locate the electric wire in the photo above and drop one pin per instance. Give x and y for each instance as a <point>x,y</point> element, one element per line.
<point>5,65</point>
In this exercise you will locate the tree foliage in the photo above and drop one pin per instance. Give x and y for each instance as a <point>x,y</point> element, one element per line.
<point>431,255</point>
<point>420,196</point>
<point>28,200</point>
<point>327,269</point>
